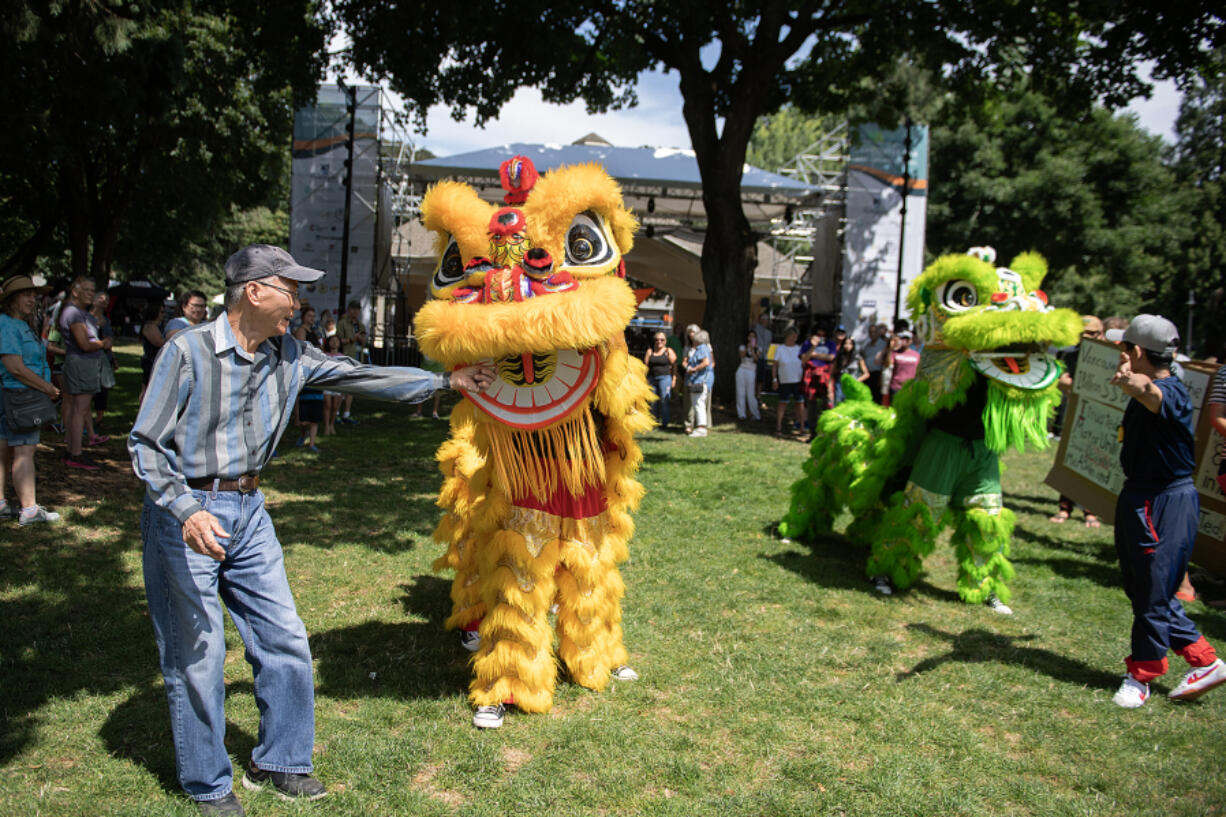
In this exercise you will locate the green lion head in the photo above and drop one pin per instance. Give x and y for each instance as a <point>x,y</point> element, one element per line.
<point>997,316</point>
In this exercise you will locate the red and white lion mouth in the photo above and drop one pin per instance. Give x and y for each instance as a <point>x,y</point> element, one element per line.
<point>1025,367</point>
<point>531,391</point>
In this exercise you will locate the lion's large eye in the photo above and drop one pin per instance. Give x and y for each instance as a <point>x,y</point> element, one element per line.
<point>450,270</point>
<point>586,242</point>
<point>956,296</point>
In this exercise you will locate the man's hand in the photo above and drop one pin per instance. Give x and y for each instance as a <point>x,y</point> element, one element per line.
<point>472,378</point>
<point>199,531</point>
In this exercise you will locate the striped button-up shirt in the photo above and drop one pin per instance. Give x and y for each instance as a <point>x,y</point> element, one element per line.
<point>213,410</point>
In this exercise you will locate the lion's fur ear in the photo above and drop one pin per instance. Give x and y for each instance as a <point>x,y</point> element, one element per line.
<point>454,209</point>
<point>1032,267</point>
<point>563,193</point>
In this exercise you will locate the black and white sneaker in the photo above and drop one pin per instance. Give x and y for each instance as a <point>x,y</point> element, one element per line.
<point>624,673</point>
<point>227,806</point>
<point>882,585</point>
<point>998,606</point>
<point>489,717</point>
<point>470,640</point>
<point>287,785</point>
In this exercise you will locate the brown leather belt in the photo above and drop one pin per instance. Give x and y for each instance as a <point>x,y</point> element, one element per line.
<point>246,484</point>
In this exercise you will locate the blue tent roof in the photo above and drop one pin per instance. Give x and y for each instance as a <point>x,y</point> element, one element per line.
<point>668,175</point>
<point>664,166</point>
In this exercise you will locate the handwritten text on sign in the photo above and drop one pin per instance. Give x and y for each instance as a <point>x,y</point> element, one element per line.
<point>1096,365</point>
<point>1094,446</point>
<point>1206,475</point>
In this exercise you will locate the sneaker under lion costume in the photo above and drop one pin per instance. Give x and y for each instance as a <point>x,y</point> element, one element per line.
<point>985,383</point>
<point>539,469</point>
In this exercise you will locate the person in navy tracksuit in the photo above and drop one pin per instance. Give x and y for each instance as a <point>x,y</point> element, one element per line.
<point>1157,514</point>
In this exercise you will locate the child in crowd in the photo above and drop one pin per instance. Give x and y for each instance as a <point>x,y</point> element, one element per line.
<point>332,399</point>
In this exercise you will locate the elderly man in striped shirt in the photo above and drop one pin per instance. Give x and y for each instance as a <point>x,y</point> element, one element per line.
<point>219,398</point>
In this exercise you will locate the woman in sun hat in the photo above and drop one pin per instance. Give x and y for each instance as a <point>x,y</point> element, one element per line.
<point>24,366</point>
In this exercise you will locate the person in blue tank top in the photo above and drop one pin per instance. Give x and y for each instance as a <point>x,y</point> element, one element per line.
<point>1157,515</point>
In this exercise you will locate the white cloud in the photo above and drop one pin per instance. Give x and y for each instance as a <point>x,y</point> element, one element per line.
<point>655,121</point>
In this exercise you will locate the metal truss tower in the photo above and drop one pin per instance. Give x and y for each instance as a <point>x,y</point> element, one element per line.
<point>812,236</point>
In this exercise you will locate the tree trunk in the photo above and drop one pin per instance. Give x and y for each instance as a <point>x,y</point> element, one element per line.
<point>729,258</point>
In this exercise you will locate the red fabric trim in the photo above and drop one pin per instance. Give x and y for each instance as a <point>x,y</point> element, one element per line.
<point>1149,520</point>
<point>1146,671</point>
<point>1198,654</point>
<point>507,221</point>
<point>472,626</point>
<point>565,504</point>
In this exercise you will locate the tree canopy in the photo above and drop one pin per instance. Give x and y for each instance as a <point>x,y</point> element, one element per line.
<point>1091,194</point>
<point>132,129</point>
<point>736,63</point>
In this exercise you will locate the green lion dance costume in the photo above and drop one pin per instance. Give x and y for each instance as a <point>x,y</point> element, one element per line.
<point>539,470</point>
<point>985,383</point>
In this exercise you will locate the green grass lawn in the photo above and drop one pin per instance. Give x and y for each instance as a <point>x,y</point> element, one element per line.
<point>775,682</point>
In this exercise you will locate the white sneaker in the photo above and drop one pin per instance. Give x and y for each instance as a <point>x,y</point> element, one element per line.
<point>999,606</point>
<point>470,640</point>
<point>40,514</point>
<point>489,717</point>
<point>882,585</point>
<point>1131,694</point>
<point>699,432</point>
<point>624,673</point>
<point>1199,681</point>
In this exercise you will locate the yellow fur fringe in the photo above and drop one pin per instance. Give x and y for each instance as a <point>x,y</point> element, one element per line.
<point>534,462</point>
<point>583,318</point>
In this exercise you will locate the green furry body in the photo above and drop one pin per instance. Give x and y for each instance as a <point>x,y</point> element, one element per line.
<point>863,453</point>
<point>859,461</point>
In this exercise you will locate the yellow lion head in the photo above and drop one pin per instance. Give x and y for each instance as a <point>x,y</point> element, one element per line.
<point>535,287</point>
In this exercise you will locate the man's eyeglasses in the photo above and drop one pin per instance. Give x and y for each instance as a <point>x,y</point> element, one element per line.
<point>291,293</point>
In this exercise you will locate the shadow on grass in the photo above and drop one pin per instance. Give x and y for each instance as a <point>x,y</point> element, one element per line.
<point>139,730</point>
<point>408,659</point>
<point>978,646</point>
<point>660,458</point>
<point>72,624</point>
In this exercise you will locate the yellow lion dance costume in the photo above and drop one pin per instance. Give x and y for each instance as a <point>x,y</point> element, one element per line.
<point>539,469</point>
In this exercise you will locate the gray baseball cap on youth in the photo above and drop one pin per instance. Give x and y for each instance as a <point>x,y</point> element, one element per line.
<point>263,261</point>
<point>1153,332</point>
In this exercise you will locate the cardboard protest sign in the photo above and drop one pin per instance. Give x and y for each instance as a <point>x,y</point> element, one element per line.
<point>1087,467</point>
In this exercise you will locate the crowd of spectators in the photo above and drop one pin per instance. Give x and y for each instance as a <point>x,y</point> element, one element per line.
<point>62,345</point>
<point>804,374</point>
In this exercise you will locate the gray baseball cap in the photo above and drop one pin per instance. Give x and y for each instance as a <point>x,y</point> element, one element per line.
<point>263,261</point>
<point>1153,332</point>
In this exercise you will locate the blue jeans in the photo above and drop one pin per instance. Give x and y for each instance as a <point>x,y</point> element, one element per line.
<point>183,587</point>
<point>662,386</point>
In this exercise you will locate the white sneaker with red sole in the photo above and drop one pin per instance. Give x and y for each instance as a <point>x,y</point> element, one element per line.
<point>1198,681</point>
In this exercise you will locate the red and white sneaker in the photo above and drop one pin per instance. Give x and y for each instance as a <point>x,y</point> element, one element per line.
<point>1198,681</point>
<point>1131,694</point>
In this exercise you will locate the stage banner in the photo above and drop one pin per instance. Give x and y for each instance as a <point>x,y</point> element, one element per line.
<point>317,194</point>
<point>1087,467</point>
<point>874,235</point>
